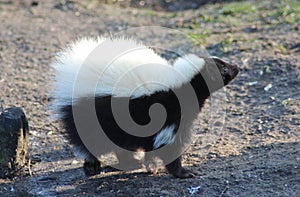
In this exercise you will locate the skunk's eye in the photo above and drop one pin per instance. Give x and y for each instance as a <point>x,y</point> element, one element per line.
<point>225,70</point>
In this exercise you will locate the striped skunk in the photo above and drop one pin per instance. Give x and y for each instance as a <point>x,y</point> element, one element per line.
<point>89,73</point>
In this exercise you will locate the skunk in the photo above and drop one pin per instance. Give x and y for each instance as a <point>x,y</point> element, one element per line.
<point>88,73</point>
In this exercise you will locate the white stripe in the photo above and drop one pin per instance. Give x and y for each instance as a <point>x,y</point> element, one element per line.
<point>189,65</point>
<point>164,137</point>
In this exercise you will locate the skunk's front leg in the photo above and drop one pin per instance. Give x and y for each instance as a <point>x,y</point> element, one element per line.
<point>176,169</point>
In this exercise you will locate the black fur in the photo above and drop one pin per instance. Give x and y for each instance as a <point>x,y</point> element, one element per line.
<point>139,110</point>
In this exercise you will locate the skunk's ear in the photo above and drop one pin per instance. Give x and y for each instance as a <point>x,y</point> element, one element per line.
<point>211,68</point>
<point>211,75</point>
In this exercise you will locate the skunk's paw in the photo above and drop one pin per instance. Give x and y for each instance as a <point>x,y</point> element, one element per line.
<point>185,173</point>
<point>151,170</point>
<point>151,166</point>
<point>91,166</point>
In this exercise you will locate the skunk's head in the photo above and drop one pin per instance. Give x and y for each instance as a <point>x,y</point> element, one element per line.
<point>218,71</point>
<point>214,74</point>
<point>227,70</point>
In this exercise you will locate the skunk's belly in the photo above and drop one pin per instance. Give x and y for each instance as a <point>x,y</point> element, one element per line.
<point>139,112</point>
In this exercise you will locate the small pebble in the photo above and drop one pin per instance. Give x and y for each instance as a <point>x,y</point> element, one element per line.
<point>268,87</point>
<point>253,83</point>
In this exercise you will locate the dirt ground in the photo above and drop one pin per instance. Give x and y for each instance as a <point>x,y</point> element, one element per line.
<point>246,140</point>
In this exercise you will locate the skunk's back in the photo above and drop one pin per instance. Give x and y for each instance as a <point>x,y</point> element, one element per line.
<point>117,67</point>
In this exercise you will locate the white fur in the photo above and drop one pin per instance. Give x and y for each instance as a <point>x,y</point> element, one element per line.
<point>136,72</point>
<point>164,137</point>
<point>189,65</point>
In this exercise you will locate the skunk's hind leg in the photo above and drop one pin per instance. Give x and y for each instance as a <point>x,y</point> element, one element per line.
<point>92,165</point>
